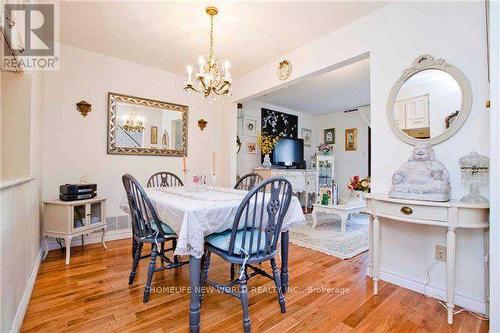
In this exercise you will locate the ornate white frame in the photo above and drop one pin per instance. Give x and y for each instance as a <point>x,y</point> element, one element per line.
<point>113,98</point>
<point>422,63</point>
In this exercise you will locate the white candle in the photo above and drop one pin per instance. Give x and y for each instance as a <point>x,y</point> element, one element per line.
<point>227,75</point>
<point>213,163</point>
<point>184,164</point>
<point>189,70</point>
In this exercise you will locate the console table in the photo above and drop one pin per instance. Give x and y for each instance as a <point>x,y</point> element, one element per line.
<point>302,180</point>
<point>450,215</point>
<point>68,219</point>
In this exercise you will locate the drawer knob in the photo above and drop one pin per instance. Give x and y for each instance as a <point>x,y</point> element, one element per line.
<point>406,210</point>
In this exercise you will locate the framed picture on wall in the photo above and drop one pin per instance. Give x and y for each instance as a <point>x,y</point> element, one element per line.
<point>251,148</point>
<point>329,136</point>
<point>249,127</point>
<point>154,135</point>
<point>306,136</point>
<point>351,139</point>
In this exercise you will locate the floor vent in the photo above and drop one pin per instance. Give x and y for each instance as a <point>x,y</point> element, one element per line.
<point>120,222</point>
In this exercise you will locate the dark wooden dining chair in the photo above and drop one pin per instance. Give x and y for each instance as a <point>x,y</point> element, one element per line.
<point>248,181</point>
<point>252,240</point>
<point>147,228</point>
<point>164,179</point>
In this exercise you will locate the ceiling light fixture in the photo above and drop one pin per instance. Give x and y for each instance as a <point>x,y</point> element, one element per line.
<point>210,80</point>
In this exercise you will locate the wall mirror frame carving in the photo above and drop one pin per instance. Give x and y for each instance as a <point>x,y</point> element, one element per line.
<point>422,63</point>
<point>114,99</point>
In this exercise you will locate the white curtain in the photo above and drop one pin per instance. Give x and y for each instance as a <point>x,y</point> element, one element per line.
<point>364,113</point>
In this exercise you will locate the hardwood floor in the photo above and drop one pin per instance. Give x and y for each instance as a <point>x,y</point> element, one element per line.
<point>326,295</point>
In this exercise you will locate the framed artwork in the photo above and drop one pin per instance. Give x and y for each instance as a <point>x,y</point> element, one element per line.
<point>281,124</point>
<point>306,136</point>
<point>329,136</point>
<point>154,135</point>
<point>351,139</point>
<point>249,127</point>
<point>251,148</point>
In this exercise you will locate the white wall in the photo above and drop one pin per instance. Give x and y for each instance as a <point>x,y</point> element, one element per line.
<point>495,166</point>
<point>252,109</point>
<point>444,30</point>
<point>16,106</point>
<point>347,163</point>
<point>20,223</point>
<point>74,144</point>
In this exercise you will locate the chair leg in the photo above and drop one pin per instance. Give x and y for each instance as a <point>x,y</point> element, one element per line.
<point>174,245</point>
<point>232,271</point>
<point>277,281</point>
<point>152,266</point>
<point>244,303</point>
<point>162,251</point>
<point>137,257</point>
<point>134,247</point>
<point>204,273</point>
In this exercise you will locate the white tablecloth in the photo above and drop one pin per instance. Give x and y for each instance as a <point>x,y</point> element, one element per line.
<point>194,215</point>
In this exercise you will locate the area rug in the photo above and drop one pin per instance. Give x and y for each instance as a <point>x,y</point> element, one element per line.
<point>327,237</point>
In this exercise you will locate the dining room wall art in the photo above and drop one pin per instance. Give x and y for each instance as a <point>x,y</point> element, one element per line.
<point>307,137</point>
<point>351,139</point>
<point>249,127</point>
<point>276,123</point>
<point>251,148</point>
<point>329,136</point>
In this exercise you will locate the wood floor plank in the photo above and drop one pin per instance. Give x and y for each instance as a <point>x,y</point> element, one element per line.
<point>326,294</point>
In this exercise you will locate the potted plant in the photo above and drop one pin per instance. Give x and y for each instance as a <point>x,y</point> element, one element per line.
<point>266,144</point>
<point>359,186</point>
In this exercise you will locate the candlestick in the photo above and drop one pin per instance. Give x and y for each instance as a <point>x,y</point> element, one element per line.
<point>184,169</point>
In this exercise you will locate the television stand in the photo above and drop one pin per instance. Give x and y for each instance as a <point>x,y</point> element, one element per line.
<point>303,180</point>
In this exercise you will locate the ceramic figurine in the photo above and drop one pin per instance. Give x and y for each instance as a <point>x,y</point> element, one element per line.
<point>422,177</point>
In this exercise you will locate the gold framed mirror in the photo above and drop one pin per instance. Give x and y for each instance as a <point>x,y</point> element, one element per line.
<point>141,126</point>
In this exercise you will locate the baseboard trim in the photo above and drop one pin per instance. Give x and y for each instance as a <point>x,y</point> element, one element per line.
<point>23,305</point>
<point>467,302</point>
<point>94,238</point>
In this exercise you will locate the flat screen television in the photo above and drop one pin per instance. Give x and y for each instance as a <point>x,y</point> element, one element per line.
<point>288,152</point>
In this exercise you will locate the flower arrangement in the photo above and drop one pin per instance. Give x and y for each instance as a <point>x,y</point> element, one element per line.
<point>356,183</point>
<point>266,143</point>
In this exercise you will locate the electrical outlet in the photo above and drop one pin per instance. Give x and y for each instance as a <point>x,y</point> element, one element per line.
<point>441,253</point>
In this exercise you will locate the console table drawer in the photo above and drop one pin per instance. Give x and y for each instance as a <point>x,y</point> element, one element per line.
<point>432,213</point>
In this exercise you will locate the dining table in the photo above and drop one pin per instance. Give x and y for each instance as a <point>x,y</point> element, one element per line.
<point>194,212</point>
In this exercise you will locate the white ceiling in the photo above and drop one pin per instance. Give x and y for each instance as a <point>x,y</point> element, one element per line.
<point>339,90</point>
<point>171,35</point>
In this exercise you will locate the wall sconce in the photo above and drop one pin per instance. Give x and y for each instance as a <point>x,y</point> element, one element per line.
<point>83,107</point>
<point>202,123</point>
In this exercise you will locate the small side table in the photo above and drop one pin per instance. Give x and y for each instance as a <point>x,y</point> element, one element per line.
<point>68,219</point>
<point>344,211</point>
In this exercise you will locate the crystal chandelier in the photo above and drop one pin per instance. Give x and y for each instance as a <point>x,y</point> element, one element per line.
<point>133,123</point>
<point>210,80</point>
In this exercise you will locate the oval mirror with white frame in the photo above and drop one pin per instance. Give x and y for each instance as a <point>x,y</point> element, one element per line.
<point>430,102</point>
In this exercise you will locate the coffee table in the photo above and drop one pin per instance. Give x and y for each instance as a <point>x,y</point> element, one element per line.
<point>344,211</point>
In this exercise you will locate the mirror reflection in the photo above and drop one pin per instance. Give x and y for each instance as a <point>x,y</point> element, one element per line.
<point>427,104</point>
<point>141,126</point>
